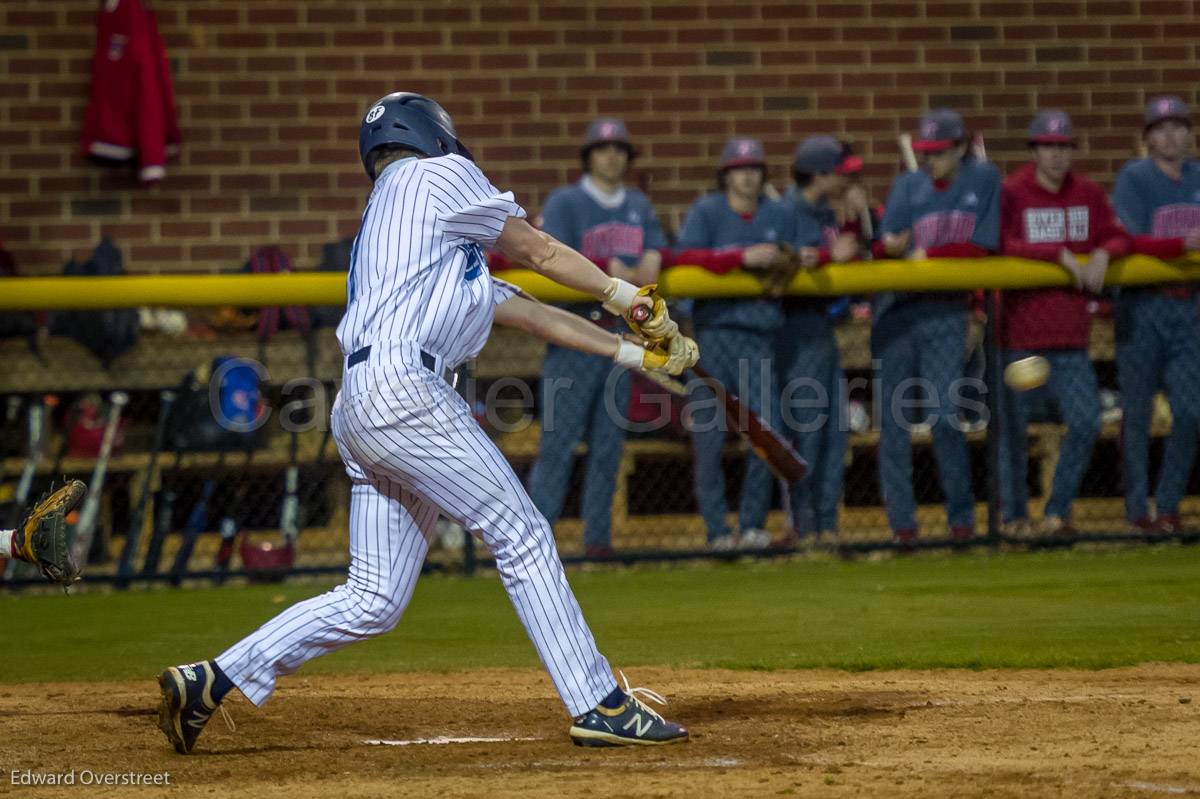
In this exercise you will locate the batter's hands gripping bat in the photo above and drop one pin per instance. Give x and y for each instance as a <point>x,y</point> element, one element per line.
<point>133,537</point>
<point>86,528</point>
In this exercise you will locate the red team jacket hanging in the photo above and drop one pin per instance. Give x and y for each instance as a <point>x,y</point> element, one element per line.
<point>132,107</point>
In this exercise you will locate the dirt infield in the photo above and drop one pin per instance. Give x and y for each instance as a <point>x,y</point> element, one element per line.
<point>1133,731</point>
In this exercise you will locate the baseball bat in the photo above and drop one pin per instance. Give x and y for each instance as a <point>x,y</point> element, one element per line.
<point>289,511</point>
<point>866,225</point>
<point>164,505</point>
<point>37,429</point>
<point>228,525</point>
<point>978,147</point>
<point>664,381</point>
<point>907,153</point>
<point>133,536</point>
<point>50,401</point>
<point>69,420</point>
<point>196,522</point>
<point>775,451</point>
<point>773,448</point>
<point>12,410</point>
<point>86,528</point>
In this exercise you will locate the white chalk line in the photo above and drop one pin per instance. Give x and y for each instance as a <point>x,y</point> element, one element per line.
<point>1156,788</point>
<point>444,740</point>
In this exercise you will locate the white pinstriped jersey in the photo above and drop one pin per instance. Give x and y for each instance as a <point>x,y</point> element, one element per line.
<point>413,450</point>
<point>417,269</point>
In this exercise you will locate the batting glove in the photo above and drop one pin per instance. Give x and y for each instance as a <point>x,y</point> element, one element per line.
<point>672,356</point>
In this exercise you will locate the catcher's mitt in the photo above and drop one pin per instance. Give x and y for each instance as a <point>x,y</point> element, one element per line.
<point>41,537</point>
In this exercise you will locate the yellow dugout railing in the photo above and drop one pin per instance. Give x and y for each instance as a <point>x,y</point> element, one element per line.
<point>329,288</point>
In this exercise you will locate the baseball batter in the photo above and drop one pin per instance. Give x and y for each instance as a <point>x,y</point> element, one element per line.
<point>420,301</point>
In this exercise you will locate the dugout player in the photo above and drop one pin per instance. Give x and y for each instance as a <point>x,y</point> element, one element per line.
<point>584,396</point>
<point>1051,213</point>
<point>950,207</point>
<point>737,226</point>
<point>1157,328</point>
<point>812,385</point>
<point>420,302</point>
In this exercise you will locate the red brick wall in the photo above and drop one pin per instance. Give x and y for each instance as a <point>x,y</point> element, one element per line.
<point>270,92</point>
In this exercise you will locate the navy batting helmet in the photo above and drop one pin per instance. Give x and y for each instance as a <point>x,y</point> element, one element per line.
<point>409,121</point>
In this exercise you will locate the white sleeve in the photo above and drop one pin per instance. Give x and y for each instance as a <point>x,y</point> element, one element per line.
<point>470,207</point>
<point>503,290</point>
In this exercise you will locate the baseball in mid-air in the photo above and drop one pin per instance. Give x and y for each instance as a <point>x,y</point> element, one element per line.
<point>1027,373</point>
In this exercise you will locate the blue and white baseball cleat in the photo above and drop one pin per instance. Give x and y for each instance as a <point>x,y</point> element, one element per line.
<point>187,704</point>
<point>631,724</point>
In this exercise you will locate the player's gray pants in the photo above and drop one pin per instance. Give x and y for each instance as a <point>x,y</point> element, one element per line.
<point>412,449</point>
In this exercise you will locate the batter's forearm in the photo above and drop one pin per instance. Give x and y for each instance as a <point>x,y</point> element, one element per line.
<point>556,326</point>
<point>550,257</point>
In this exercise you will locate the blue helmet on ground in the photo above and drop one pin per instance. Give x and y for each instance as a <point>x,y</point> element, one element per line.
<point>410,121</point>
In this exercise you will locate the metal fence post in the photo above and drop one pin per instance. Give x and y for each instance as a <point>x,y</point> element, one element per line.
<point>993,380</point>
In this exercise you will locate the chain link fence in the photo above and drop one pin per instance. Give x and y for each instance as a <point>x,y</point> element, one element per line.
<point>214,497</point>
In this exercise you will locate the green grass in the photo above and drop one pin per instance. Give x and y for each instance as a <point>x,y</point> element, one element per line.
<point>1082,609</point>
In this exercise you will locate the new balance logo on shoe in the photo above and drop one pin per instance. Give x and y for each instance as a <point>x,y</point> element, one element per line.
<point>636,721</point>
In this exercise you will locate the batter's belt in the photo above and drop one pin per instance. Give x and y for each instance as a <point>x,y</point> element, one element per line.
<point>428,360</point>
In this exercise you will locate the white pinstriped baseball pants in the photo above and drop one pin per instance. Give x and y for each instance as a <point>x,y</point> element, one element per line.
<point>412,450</point>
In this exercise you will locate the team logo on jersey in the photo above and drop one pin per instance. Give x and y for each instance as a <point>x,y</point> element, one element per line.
<point>772,235</point>
<point>1175,220</point>
<point>1196,196</point>
<point>635,218</point>
<point>474,263</point>
<point>374,114</point>
<point>1054,225</point>
<point>943,227</point>
<point>970,199</point>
